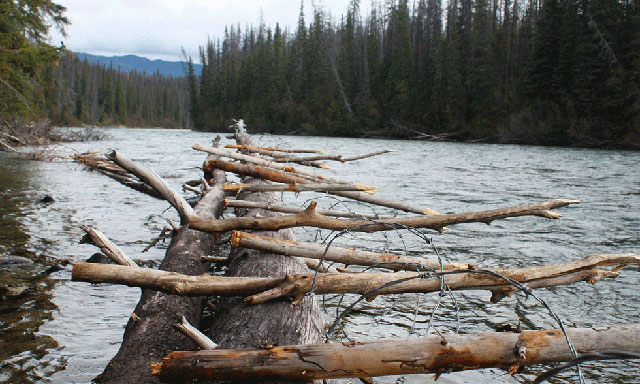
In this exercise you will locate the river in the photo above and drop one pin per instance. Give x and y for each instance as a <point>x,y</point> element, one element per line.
<point>62,331</point>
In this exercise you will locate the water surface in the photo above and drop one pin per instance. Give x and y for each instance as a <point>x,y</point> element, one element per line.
<point>67,331</point>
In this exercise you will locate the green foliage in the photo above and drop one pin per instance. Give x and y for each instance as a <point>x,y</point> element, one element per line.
<point>24,55</point>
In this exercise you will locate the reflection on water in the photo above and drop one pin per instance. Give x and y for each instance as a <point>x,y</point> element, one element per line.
<point>77,327</point>
<point>25,289</point>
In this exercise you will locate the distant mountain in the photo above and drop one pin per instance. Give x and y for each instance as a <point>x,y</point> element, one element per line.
<point>130,63</point>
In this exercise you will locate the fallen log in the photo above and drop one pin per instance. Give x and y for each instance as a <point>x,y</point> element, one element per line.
<point>107,247</point>
<point>297,285</point>
<point>431,354</point>
<point>288,178</point>
<point>251,148</point>
<point>237,325</point>
<point>289,209</point>
<point>311,218</point>
<point>340,158</point>
<point>151,178</point>
<point>347,256</point>
<point>276,156</point>
<point>313,187</point>
<point>150,332</point>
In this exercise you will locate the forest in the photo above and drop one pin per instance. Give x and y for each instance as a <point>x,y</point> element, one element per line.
<point>88,93</point>
<point>558,72</point>
<point>41,84</point>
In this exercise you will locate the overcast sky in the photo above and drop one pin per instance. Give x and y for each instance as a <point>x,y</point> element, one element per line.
<point>158,29</point>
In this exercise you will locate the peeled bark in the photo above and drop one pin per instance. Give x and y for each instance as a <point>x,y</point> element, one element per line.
<point>237,325</point>
<point>150,334</point>
<point>297,285</point>
<point>311,218</point>
<point>251,148</point>
<point>347,256</point>
<point>288,176</point>
<point>290,209</point>
<point>432,354</point>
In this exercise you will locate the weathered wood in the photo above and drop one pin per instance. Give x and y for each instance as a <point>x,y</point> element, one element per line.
<point>277,155</point>
<point>432,354</point>
<point>297,285</point>
<point>311,218</point>
<point>148,176</point>
<point>150,334</point>
<point>302,173</point>
<point>194,334</point>
<point>251,148</point>
<point>289,178</point>
<point>290,209</point>
<point>313,187</point>
<point>237,325</point>
<point>347,256</point>
<point>340,158</point>
<point>107,247</point>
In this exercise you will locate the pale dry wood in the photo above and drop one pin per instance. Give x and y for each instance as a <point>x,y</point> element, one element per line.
<point>107,246</point>
<point>290,209</point>
<point>315,265</point>
<point>311,218</point>
<point>7,147</point>
<point>276,156</point>
<point>302,173</point>
<point>151,178</point>
<point>431,354</point>
<point>347,256</point>
<point>340,158</point>
<point>289,178</point>
<point>251,148</point>
<point>312,187</point>
<point>268,288</point>
<point>194,334</point>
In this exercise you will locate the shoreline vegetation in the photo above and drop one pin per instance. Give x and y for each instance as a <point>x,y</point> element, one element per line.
<point>546,73</point>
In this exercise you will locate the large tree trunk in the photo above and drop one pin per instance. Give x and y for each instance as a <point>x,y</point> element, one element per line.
<point>150,334</point>
<point>238,325</point>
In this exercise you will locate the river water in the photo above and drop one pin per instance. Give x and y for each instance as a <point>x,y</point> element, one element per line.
<point>61,331</point>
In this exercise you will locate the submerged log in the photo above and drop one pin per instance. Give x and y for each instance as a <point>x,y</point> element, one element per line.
<point>297,285</point>
<point>151,333</point>
<point>347,256</point>
<point>237,325</point>
<point>432,354</point>
<point>311,218</point>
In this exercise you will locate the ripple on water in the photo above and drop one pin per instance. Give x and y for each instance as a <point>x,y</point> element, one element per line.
<point>75,328</point>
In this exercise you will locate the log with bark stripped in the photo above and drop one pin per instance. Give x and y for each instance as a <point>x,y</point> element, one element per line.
<point>432,354</point>
<point>347,256</point>
<point>268,288</point>
<point>311,218</point>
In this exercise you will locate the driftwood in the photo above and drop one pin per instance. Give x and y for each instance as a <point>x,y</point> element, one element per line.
<point>98,162</point>
<point>347,256</point>
<point>298,187</point>
<point>340,158</point>
<point>150,332</point>
<point>194,334</point>
<point>302,173</point>
<point>311,218</point>
<point>237,325</point>
<point>289,209</point>
<point>432,354</point>
<point>268,288</point>
<point>278,155</point>
<point>251,148</point>
<point>151,178</point>
<point>107,247</point>
<point>289,178</point>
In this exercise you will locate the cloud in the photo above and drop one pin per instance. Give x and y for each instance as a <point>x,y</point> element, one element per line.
<point>159,29</point>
